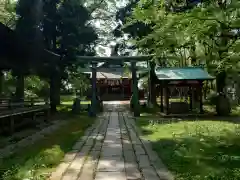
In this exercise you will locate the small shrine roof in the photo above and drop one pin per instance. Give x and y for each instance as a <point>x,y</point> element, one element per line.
<point>185,73</point>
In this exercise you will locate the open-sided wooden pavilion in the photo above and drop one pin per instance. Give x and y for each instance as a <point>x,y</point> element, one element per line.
<point>21,56</point>
<point>190,77</point>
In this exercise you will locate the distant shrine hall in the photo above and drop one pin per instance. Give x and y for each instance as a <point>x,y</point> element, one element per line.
<point>113,83</point>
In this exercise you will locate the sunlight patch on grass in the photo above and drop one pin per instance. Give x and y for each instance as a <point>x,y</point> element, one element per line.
<point>196,150</point>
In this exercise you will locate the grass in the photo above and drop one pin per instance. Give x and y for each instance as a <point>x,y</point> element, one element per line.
<point>196,150</point>
<point>38,160</point>
<point>70,102</point>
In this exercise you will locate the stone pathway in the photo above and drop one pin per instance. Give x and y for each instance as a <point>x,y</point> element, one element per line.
<point>112,150</point>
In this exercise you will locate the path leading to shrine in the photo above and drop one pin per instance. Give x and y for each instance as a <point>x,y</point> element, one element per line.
<point>112,150</point>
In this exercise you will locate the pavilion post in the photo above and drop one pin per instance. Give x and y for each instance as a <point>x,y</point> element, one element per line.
<point>19,94</point>
<point>166,98</point>
<point>190,98</point>
<point>149,87</point>
<point>1,82</point>
<point>94,90</point>
<point>161,95</point>
<point>135,90</point>
<point>201,97</point>
<point>122,91</point>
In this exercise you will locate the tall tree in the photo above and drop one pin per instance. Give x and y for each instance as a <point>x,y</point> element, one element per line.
<point>207,33</point>
<point>67,31</point>
<point>29,13</point>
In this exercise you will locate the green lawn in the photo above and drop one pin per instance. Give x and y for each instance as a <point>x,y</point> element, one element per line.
<point>37,160</point>
<point>196,150</point>
<point>70,102</point>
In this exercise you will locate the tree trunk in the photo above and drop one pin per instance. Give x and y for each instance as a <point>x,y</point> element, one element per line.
<point>223,106</point>
<point>221,81</point>
<point>54,92</point>
<point>152,84</point>
<point>1,83</point>
<point>19,94</point>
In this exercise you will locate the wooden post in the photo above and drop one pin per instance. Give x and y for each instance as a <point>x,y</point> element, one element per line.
<point>190,98</point>
<point>94,88</point>
<point>12,126</point>
<point>32,102</point>
<point>166,99</point>
<point>200,98</point>
<point>47,115</point>
<point>20,88</point>
<point>1,83</point>
<point>135,90</point>
<point>149,87</point>
<point>10,104</point>
<point>34,119</point>
<point>161,95</point>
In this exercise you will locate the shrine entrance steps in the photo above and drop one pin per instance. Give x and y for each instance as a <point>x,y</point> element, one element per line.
<point>112,150</point>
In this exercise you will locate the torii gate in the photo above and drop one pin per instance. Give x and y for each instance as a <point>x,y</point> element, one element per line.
<point>93,60</point>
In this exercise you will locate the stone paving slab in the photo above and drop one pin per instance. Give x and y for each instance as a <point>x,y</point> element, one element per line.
<point>58,173</point>
<point>87,171</point>
<point>70,156</point>
<point>97,146</point>
<point>139,150</point>
<point>112,151</point>
<point>111,164</point>
<point>78,145</point>
<point>110,176</point>
<point>107,143</point>
<point>90,141</point>
<point>132,171</point>
<point>143,161</point>
<point>149,174</point>
<point>129,156</point>
<point>71,174</point>
<point>77,163</point>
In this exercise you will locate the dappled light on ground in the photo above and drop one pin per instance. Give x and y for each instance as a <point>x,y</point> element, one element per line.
<point>196,150</point>
<point>36,161</point>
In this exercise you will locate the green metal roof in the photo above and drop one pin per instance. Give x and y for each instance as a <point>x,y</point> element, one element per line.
<point>187,73</point>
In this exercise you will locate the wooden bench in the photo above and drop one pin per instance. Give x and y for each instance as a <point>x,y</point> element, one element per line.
<point>12,113</point>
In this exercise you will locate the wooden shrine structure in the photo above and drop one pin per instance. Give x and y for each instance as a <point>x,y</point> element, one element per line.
<point>190,77</point>
<point>113,82</point>
<point>19,55</point>
<point>93,61</point>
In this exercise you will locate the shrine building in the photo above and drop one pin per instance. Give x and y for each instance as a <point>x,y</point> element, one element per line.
<point>113,82</point>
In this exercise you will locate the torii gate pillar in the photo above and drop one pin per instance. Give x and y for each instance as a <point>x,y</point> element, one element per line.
<point>93,110</point>
<point>135,90</point>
